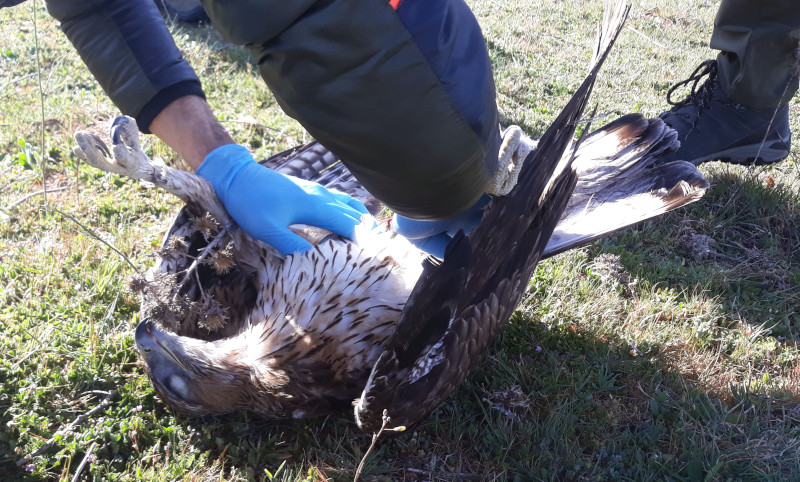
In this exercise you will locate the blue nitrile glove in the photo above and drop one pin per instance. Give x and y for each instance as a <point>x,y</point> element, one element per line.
<point>264,202</point>
<point>434,236</point>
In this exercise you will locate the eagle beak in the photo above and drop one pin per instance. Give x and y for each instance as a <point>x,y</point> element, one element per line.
<point>149,338</point>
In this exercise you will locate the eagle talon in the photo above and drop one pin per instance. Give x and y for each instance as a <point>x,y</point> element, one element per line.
<point>125,157</point>
<point>125,131</point>
<point>101,146</point>
<point>92,150</point>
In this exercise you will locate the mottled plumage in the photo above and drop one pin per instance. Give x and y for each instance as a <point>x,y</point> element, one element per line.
<point>229,324</point>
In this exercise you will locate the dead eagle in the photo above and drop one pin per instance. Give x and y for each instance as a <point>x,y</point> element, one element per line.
<point>229,324</point>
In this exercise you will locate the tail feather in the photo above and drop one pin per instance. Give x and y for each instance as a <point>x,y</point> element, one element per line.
<point>620,146</point>
<point>620,186</point>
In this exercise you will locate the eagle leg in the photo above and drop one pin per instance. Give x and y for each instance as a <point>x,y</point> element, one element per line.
<point>129,160</point>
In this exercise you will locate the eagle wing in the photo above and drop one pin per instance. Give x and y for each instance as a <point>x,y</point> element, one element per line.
<point>458,308</point>
<point>313,162</point>
<point>620,182</point>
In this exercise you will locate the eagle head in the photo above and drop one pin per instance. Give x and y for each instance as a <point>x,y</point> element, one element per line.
<point>190,375</point>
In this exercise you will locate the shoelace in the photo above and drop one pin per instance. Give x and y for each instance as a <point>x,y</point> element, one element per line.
<point>700,93</point>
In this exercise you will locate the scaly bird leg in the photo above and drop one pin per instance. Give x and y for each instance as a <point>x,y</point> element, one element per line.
<point>129,160</point>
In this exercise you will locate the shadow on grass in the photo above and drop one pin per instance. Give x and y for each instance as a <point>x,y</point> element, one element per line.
<point>740,245</point>
<point>549,403</point>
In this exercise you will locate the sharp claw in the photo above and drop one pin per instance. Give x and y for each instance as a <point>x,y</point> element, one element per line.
<point>80,138</point>
<point>124,131</point>
<point>101,146</point>
<point>121,121</point>
<point>93,151</point>
<point>115,134</point>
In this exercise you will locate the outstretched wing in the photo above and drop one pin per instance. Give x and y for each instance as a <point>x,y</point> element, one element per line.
<point>458,308</point>
<point>618,183</point>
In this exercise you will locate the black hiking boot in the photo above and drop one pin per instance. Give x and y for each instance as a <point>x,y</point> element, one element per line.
<point>712,127</point>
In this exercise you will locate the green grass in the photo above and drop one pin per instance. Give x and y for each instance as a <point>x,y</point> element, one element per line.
<point>640,357</point>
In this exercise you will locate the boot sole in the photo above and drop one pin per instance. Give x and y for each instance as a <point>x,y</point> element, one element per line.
<point>753,154</point>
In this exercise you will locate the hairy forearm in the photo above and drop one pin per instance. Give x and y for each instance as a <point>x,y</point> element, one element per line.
<point>189,127</point>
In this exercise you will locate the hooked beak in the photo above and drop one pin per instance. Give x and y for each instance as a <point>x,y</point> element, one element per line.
<point>149,339</point>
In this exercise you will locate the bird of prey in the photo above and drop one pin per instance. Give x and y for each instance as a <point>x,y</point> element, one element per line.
<point>230,324</point>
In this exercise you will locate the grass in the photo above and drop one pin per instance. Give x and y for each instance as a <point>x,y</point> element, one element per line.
<point>666,352</point>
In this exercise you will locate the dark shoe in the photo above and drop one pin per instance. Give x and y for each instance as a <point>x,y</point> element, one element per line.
<point>712,127</point>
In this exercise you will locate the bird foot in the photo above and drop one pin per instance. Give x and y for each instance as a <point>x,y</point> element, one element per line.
<point>125,157</point>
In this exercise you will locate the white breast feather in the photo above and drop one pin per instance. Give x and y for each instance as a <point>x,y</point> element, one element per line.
<point>335,290</point>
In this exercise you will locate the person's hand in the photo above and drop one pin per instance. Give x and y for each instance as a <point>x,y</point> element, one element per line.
<point>264,202</point>
<point>434,236</point>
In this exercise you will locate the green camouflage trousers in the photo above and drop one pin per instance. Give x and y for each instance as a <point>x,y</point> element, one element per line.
<point>760,44</point>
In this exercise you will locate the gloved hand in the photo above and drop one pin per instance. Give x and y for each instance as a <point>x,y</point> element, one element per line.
<point>265,202</point>
<point>434,236</point>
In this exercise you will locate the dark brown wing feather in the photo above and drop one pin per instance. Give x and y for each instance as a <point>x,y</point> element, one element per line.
<point>313,162</point>
<point>425,363</point>
<point>420,372</point>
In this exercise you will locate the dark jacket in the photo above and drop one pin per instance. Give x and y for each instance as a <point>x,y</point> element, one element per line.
<point>405,97</point>
<point>129,50</point>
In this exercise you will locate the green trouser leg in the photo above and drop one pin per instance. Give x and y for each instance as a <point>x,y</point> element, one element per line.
<point>759,40</point>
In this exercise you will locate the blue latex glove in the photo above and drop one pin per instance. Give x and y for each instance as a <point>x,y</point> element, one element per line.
<point>264,202</point>
<point>434,236</point>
